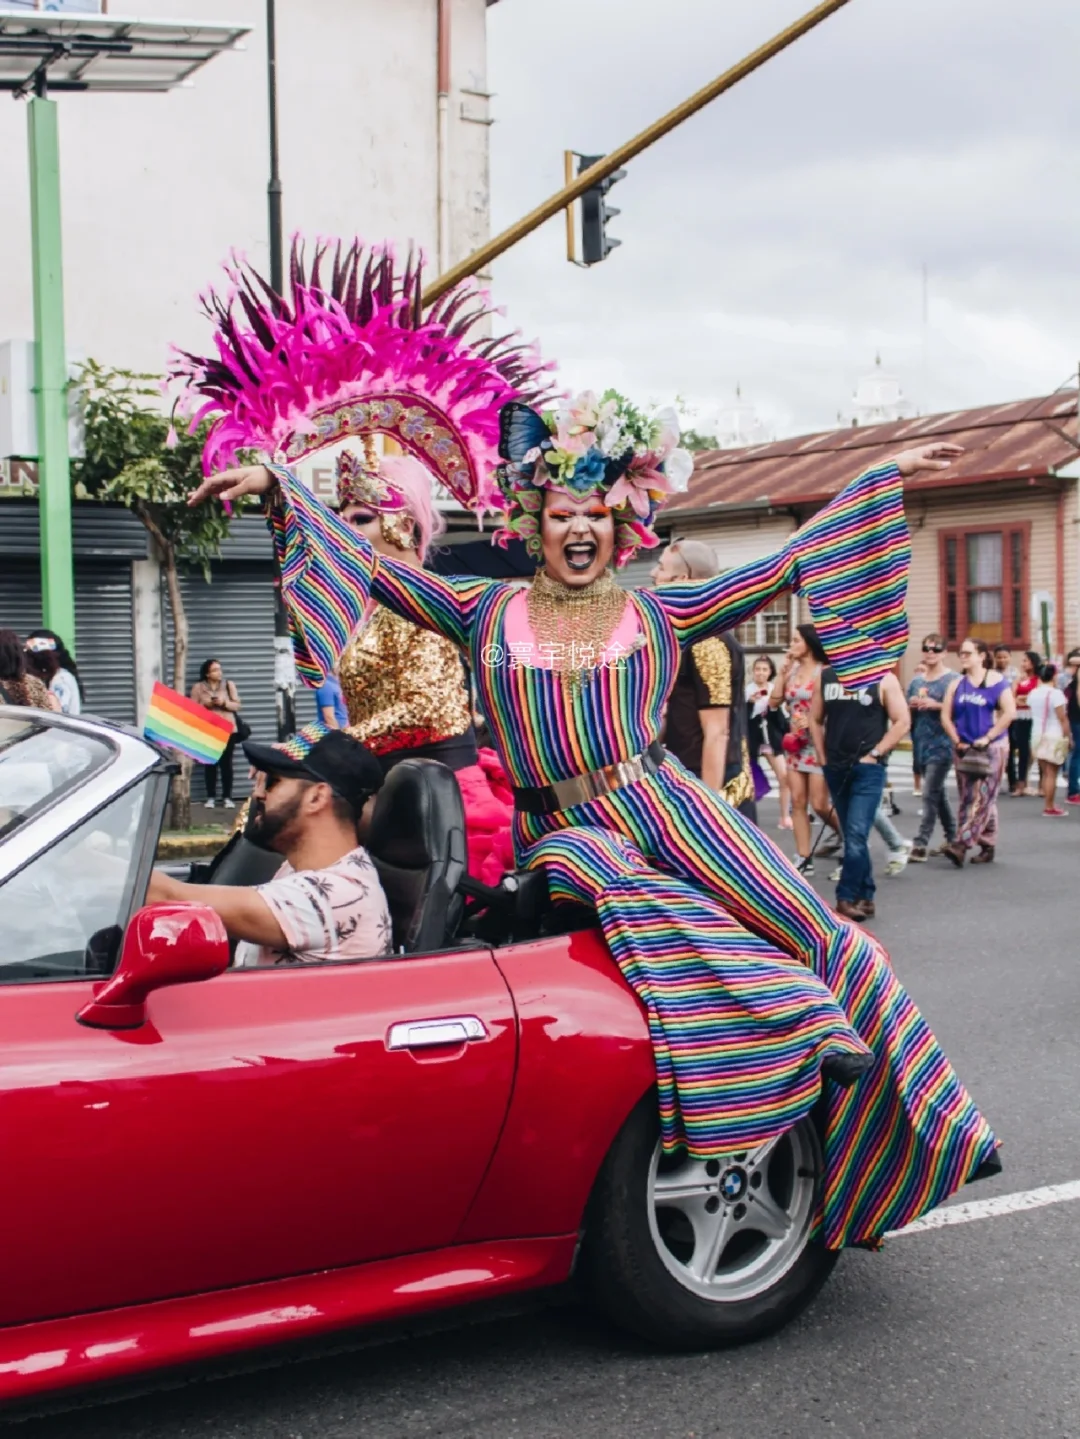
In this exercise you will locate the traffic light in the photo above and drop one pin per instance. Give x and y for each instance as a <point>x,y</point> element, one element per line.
<point>596,243</point>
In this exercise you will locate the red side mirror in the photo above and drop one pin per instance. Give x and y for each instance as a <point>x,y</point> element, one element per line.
<point>174,943</point>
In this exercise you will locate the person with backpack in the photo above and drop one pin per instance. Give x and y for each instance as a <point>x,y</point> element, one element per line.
<point>854,730</point>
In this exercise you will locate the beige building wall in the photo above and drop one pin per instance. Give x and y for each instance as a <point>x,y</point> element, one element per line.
<point>928,516</point>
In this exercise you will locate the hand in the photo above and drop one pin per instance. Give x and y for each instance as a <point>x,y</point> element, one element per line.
<point>868,759</point>
<point>928,457</point>
<point>981,743</point>
<point>234,484</point>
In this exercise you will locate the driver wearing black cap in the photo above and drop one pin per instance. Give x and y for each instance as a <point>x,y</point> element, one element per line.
<point>326,902</point>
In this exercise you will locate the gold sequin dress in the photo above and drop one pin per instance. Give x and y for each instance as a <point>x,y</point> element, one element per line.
<point>407,695</point>
<point>404,687</point>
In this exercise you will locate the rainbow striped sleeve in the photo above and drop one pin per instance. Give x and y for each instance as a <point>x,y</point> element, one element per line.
<point>850,561</point>
<point>329,572</point>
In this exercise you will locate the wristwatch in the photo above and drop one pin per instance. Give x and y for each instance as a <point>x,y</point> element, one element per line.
<point>875,753</point>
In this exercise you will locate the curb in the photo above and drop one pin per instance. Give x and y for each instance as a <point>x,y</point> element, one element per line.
<point>190,846</point>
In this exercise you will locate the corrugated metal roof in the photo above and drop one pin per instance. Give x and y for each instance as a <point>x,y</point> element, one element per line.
<point>1002,442</point>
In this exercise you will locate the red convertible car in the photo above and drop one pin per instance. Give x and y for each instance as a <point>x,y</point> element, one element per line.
<point>200,1160</point>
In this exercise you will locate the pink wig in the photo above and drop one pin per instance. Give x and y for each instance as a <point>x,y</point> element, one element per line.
<point>414,483</point>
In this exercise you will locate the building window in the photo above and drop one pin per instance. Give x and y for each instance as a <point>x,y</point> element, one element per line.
<point>984,579</point>
<point>769,630</point>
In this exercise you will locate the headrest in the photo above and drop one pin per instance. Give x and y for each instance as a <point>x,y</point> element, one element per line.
<point>417,808</point>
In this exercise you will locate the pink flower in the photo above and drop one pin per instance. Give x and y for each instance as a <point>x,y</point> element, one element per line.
<point>633,487</point>
<point>573,442</point>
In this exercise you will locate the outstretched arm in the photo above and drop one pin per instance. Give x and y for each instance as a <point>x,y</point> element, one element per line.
<point>850,561</point>
<point>329,571</point>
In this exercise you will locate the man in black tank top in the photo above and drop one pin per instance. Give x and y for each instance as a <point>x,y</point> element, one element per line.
<point>853,731</point>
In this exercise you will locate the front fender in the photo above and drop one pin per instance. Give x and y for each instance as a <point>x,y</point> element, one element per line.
<point>584,1062</point>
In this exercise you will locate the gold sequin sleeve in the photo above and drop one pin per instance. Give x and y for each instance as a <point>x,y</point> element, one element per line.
<point>403,686</point>
<point>712,660</point>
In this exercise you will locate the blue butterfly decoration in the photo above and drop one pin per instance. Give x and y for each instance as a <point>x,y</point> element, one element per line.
<point>520,430</point>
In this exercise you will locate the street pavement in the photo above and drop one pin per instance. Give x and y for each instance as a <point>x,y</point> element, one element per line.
<point>969,1331</point>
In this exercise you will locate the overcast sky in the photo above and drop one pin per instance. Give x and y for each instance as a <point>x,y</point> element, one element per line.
<point>777,239</point>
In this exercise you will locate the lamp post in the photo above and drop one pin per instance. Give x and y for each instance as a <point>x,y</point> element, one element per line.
<point>284,665</point>
<point>50,364</point>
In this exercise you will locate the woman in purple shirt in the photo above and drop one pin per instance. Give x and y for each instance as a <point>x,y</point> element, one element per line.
<point>979,707</point>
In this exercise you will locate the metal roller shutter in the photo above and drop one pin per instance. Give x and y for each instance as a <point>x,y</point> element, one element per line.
<point>20,596</point>
<point>232,620</point>
<point>104,642</point>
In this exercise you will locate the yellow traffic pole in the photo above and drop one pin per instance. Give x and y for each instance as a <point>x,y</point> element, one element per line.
<point>570,192</point>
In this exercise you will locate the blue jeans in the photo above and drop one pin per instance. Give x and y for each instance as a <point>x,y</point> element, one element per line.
<point>1074,761</point>
<point>856,793</point>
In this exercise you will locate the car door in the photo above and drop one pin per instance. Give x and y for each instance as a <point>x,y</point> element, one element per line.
<point>260,1124</point>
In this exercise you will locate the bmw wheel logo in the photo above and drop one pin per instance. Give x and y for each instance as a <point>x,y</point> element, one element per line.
<point>733,1184</point>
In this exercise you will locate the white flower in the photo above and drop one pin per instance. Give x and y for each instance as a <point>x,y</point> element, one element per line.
<point>678,467</point>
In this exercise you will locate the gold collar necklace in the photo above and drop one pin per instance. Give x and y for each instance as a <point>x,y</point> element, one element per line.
<point>575,623</point>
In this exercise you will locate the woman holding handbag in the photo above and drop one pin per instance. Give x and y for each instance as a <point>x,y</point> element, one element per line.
<point>979,708</point>
<point>216,693</point>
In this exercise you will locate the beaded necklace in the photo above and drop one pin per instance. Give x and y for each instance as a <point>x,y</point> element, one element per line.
<point>575,623</point>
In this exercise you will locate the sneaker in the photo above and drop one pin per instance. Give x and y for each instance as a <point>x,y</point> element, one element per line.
<point>832,846</point>
<point>943,847</point>
<point>898,859</point>
<point>1073,799</point>
<point>834,875</point>
<point>210,803</point>
<point>227,804</point>
<point>917,854</point>
<point>806,867</point>
<point>1053,813</point>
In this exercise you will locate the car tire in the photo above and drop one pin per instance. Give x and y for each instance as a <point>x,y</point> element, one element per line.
<point>696,1255</point>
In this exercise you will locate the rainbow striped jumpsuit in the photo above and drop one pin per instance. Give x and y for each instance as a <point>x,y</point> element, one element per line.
<point>747,977</point>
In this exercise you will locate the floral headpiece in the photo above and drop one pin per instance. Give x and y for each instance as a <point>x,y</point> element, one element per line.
<point>587,445</point>
<point>359,482</point>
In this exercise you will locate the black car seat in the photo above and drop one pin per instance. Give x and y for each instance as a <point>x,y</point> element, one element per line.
<point>417,842</point>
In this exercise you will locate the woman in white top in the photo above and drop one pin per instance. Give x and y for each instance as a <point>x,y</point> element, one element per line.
<point>1050,735</point>
<point>47,657</point>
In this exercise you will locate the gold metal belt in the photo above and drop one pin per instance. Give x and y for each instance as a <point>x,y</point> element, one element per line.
<point>581,788</point>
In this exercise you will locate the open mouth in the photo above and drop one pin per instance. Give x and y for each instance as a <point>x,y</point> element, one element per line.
<point>579,555</point>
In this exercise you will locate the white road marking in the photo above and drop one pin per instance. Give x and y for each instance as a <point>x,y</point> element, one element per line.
<point>992,1208</point>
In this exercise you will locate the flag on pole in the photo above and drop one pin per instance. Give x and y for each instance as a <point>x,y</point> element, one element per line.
<point>173,720</point>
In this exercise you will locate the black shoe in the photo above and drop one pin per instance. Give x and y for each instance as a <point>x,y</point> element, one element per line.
<point>843,1068</point>
<point>988,1168</point>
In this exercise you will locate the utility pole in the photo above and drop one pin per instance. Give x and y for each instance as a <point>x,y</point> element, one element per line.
<point>284,664</point>
<point>618,157</point>
<point>50,364</point>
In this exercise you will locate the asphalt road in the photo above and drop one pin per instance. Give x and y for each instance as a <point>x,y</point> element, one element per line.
<point>971,1330</point>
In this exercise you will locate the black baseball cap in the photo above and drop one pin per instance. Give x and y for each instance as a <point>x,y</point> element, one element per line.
<point>327,755</point>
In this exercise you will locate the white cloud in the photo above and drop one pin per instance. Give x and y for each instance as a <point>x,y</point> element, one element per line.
<point>777,239</point>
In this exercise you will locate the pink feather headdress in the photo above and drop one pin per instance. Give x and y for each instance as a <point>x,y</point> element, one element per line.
<point>355,354</point>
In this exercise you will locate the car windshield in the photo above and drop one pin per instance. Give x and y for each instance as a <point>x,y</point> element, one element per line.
<point>38,764</point>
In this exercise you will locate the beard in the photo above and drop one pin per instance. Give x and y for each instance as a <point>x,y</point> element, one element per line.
<point>265,829</point>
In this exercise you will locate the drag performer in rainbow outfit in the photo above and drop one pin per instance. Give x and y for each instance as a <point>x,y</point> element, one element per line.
<point>757,995</point>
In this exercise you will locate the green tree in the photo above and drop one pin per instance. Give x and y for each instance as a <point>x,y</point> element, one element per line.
<point>134,457</point>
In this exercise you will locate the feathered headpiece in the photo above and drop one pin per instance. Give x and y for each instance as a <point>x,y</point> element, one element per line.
<point>354,354</point>
<point>588,445</point>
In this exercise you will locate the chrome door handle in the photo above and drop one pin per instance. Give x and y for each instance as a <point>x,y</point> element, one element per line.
<point>424,1033</point>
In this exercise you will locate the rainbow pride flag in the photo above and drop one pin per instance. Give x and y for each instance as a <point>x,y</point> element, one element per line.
<point>180,723</point>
